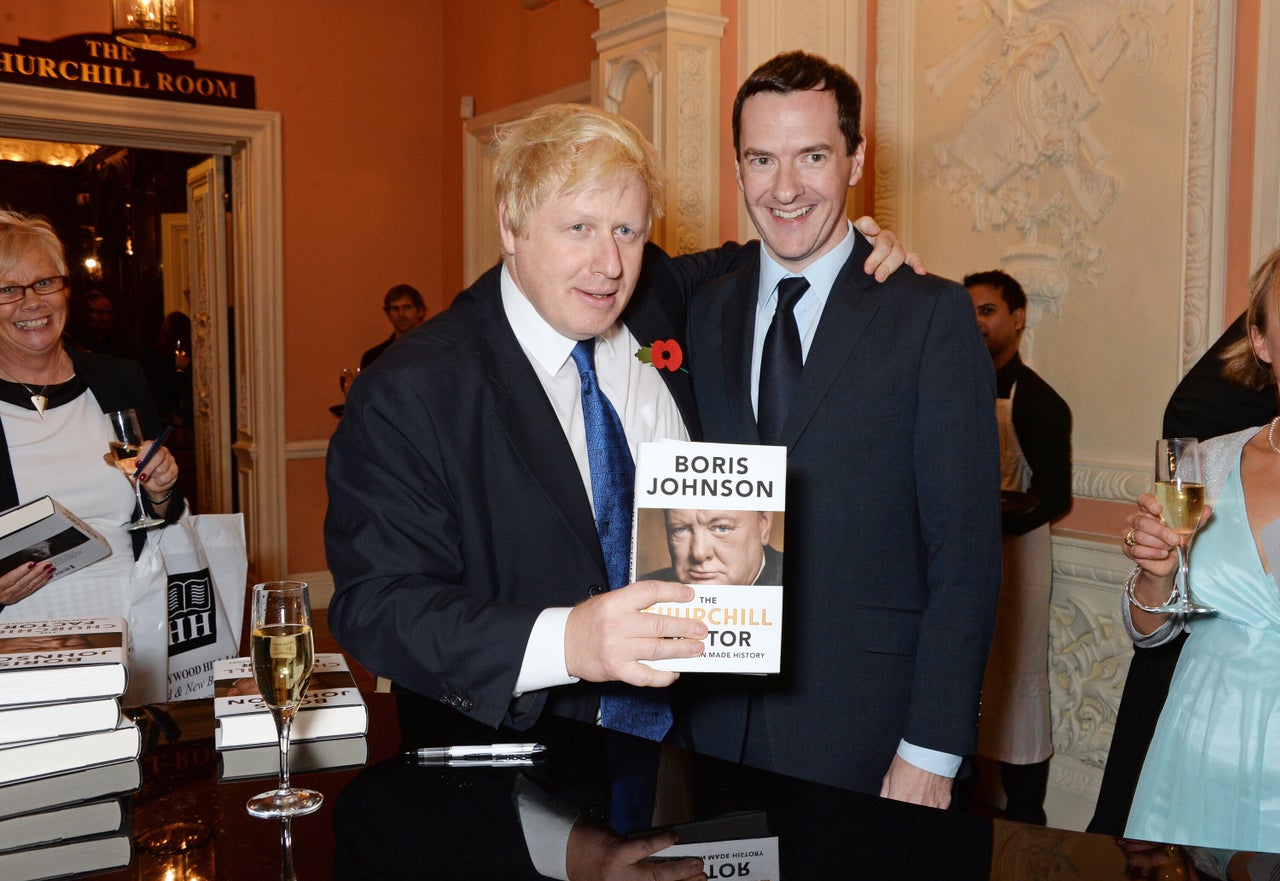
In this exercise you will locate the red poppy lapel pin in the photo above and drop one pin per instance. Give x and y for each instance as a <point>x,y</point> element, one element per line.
<point>662,354</point>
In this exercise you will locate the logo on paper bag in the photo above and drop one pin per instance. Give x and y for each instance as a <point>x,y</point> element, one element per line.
<point>192,623</point>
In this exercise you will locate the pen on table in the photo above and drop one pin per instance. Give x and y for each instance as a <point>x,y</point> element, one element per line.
<point>482,752</point>
<point>153,449</point>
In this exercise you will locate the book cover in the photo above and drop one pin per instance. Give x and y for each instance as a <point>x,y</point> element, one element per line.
<point>42,721</point>
<point>712,516</point>
<point>309,755</point>
<point>49,827</point>
<point>77,858</point>
<point>331,707</point>
<point>62,659</point>
<point>72,787</point>
<point>40,758</point>
<point>45,531</point>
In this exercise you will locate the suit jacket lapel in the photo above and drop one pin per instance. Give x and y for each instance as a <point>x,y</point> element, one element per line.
<point>532,429</point>
<point>648,323</point>
<point>739,323</point>
<point>850,307</point>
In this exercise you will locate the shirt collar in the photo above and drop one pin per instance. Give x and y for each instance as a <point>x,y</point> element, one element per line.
<point>821,273</point>
<point>540,341</point>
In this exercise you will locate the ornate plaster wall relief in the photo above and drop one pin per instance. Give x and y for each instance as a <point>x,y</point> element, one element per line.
<point>1026,161</point>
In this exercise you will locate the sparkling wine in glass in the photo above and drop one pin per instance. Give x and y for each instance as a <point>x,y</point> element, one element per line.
<point>282,650</point>
<point>126,440</point>
<point>1180,491</point>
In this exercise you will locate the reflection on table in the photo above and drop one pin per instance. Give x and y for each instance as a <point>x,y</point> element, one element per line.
<point>592,804</point>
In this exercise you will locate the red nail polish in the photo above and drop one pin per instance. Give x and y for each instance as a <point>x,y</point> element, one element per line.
<point>31,566</point>
<point>142,477</point>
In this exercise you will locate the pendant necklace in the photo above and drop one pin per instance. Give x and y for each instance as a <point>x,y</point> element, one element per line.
<point>38,399</point>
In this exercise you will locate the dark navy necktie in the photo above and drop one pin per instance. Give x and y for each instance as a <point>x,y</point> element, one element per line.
<point>644,712</point>
<point>780,362</point>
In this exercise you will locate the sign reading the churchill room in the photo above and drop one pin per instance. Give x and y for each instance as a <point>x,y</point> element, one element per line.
<point>97,63</point>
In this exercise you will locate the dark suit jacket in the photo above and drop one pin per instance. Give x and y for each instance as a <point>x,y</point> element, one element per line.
<point>893,525</point>
<point>456,511</point>
<point>771,573</point>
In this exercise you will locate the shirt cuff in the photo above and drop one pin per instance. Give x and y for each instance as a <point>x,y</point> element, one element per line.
<point>942,764</point>
<point>543,665</point>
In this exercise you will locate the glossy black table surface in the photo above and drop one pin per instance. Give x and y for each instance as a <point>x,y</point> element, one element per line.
<point>393,818</point>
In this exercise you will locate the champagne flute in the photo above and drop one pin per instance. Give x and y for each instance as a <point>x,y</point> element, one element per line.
<point>282,649</point>
<point>1180,491</point>
<point>125,443</point>
<point>346,376</point>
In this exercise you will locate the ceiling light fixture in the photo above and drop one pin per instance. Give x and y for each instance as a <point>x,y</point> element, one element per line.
<point>158,25</point>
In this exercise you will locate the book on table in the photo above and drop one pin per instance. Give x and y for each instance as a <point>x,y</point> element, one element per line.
<point>70,787</point>
<point>69,858</point>
<point>331,707</point>
<point>711,516</point>
<point>43,531</point>
<point>39,758</point>
<point>308,755</point>
<point>42,828</point>
<point>62,660</point>
<point>42,721</point>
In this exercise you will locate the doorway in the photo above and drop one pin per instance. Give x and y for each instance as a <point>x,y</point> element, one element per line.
<point>251,139</point>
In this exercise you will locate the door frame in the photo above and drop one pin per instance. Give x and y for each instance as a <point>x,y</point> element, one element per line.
<point>252,138</point>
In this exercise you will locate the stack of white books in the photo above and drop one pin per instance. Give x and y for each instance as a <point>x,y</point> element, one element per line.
<point>327,733</point>
<point>67,753</point>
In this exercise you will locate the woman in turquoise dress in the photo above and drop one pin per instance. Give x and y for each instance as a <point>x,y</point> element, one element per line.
<point>1212,774</point>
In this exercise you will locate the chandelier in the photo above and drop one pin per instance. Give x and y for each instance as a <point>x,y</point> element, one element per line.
<point>158,25</point>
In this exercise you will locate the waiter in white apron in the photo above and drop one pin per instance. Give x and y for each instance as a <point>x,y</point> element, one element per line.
<point>1035,471</point>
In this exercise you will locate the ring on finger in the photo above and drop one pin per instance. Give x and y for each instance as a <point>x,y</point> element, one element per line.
<point>1130,539</point>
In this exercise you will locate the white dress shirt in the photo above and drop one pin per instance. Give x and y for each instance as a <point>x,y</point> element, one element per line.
<point>821,275</point>
<point>643,403</point>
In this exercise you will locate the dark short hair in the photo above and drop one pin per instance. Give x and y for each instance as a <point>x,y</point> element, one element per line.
<point>1010,291</point>
<point>403,290</point>
<point>801,72</point>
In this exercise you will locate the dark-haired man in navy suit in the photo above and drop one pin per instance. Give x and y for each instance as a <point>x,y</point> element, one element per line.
<point>883,396</point>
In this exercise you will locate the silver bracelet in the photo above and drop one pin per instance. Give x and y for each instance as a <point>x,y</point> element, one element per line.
<point>1132,581</point>
<point>160,501</point>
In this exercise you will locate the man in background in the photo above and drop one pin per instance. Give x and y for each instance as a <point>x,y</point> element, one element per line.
<point>405,310</point>
<point>1035,480</point>
<point>882,394</point>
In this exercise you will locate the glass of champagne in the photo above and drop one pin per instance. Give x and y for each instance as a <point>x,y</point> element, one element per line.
<point>125,442</point>
<point>1180,491</point>
<point>282,649</point>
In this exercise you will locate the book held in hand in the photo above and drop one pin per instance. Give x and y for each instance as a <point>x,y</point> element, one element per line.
<point>711,516</point>
<point>38,758</point>
<point>62,659</point>
<point>331,707</point>
<point>44,531</point>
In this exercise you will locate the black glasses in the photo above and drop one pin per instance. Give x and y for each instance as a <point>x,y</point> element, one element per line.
<point>12,293</point>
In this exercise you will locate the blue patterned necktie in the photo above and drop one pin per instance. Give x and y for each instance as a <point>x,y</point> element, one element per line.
<point>780,362</point>
<point>643,712</point>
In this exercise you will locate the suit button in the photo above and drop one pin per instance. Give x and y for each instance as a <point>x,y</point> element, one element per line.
<point>465,704</point>
<point>595,590</point>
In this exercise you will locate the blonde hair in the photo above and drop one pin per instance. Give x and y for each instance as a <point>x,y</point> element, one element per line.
<point>570,148</point>
<point>21,233</point>
<point>1241,364</point>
